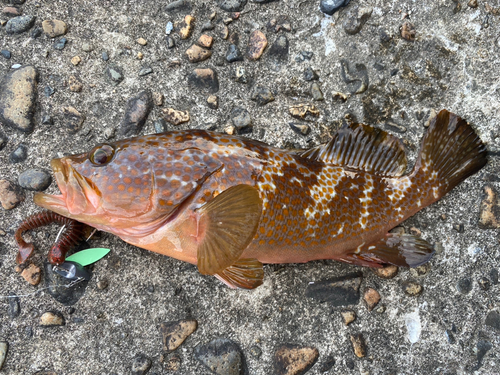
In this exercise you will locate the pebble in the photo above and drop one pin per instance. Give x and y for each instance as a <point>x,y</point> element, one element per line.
<point>4,348</point>
<point>142,41</point>
<point>158,98</point>
<point>232,5</point>
<point>301,110</point>
<point>356,18</point>
<point>169,28</point>
<point>5,53</point>
<point>412,288</point>
<point>136,113</point>
<point>484,283</point>
<point>73,119</point>
<point>58,286</point>
<point>387,272</point>
<point>408,31</point>
<point>76,60</point>
<point>54,28</point>
<point>372,298</point>
<point>241,118</point>
<point>349,316</point>
<point>221,356</point>
<point>170,42</point>
<point>35,179</point>
<point>114,74</point>
<point>160,125</point>
<point>186,27</point>
<point>483,347</point>
<point>205,41</point>
<point>10,194</point>
<point>18,98</point>
<point>464,285</point>
<point>316,92</point>
<point>175,117</point>
<point>196,53</point>
<point>60,44</point>
<point>14,309</point>
<point>339,96</point>
<point>356,79</point>
<point>233,53</point>
<point>331,6</point>
<point>204,79</point>
<point>19,154</point>
<point>310,74</point>
<point>493,320</point>
<point>303,55</point>
<point>140,55</point>
<point>280,23</point>
<point>292,359</point>
<point>16,66</point>
<point>11,11</point>
<point>421,270</point>
<point>302,129</point>
<point>104,56</point>
<point>262,95</point>
<point>257,43</point>
<point>48,91</point>
<point>52,319</point>
<point>18,25</point>
<point>240,75</point>
<point>173,363</point>
<point>472,3</point>
<point>339,291</point>
<point>494,276</point>
<point>178,5</point>
<point>32,274</point>
<point>255,352</point>
<point>141,365</point>
<point>75,85</point>
<point>207,26</point>
<point>230,129</point>
<point>175,333</point>
<point>489,217</point>
<point>279,51</point>
<point>102,284</point>
<point>223,31</point>
<point>450,337</point>
<point>327,364</point>
<point>87,47</point>
<point>145,70</point>
<point>358,345</point>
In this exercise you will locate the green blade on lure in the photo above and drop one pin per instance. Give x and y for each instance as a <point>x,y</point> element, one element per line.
<point>89,256</point>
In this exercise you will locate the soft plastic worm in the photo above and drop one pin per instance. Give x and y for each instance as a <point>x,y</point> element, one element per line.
<point>71,236</point>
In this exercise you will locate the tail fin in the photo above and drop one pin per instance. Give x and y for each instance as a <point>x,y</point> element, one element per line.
<point>451,151</point>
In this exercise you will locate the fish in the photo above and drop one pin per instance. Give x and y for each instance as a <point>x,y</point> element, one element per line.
<point>229,204</point>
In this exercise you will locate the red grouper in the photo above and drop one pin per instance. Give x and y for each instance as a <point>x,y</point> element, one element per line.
<point>229,204</point>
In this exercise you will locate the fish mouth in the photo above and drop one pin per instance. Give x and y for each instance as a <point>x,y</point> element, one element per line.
<point>78,194</point>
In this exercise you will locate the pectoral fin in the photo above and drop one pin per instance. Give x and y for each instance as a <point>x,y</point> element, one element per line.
<point>230,221</point>
<point>244,274</point>
<point>402,250</point>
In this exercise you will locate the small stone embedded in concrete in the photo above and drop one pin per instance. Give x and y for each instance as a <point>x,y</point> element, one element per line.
<point>493,320</point>
<point>175,333</point>
<point>175,117</point>
<point>412,288</point>
<point>489,217</point>
<point>4,349</point>
<point>19,154</point>
<point>213,101</point>
<point>73,119</point>
<point>196,53</point>
<point>170,42</point>
<point>102,284</point>
<point>421,270</point>
<point>233,53</point>
<point>104,56</point>
<point>301,110</point>
<point>472,3</point>
<point>302,129</point>
<point>145,70</point>
<point>141,365</point>
<point>60,44</point>
<point>160,125</point>
<point>223,31</point>
<point>35,179</point>
<point>114,74</point>
<point>205,41</point>
<point>339,96</point>
<point>11,11</point>
<point>464,285</point>
<point>186,27</point>
<point>36,32</point>
<point>54,28</point>
<point>372,298</point>
<point>292,359</point>
<point>178,5</point>
<point>408,31</point>
<point>356,18</point>
<point>356,78</point>
<point>221,356</point>
<point>327,364</point>
<point>75,85</point>
<point>310,74</point>
<point>230,129</point>
<point>10,194</point>
<point>387,272</point>
<point>14,309</point>
<point>358,345</point>
<point>232,5</point>
<point>158,98</point>
<point>136,114</point>
<point>173,363</point>
<point>52,319</point>
<point>87,47</point>
<point>257,43</point>
<point>241,118</point>
<point>349,316</point>
<point>48,91</point>
<point>331,6</point>
<point>240,75</point>
<point>18,98</point>
<point>139,55</point>
<point>484,283</point>
<point>76,60</point>
<point>204,79</point>
<point>142,41</point>
<point>18,25</point>
<point>279,50</point>
<point>255,352</point>
<point>316,92</point>
<point>32,274</point>
<point>339,291</point>
<point>262,95</point>
<point>5,53</point>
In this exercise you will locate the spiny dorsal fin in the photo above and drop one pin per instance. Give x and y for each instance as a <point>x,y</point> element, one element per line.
<point>230,221</point>
<point>244,274</point>
<point>362,147</point>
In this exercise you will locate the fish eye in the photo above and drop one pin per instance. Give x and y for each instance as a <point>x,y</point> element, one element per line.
<point>101,154</point>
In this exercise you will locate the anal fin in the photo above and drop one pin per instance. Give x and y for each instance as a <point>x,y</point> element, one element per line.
<point>402,250</point>
<point>244,274</point>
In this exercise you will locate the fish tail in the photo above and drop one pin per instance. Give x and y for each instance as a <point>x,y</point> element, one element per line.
<point>451,151</point>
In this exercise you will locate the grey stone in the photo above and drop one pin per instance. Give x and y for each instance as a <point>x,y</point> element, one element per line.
<point>331,6</point>
<point>340,291</point>
<point>310,75</point>
<point>18,98</point>
<point>241,118</point>
<point>14,309</point>
<point>493,320</point>
<point>19,154</point>
<point>136,114</point>
<point>170,42</point>
<point>73,119</point>
<point>4,348</point>
<point>114,74</point>
<point>145,70</point>
<point>204,79</point>
<point>233,53</point>
<point>316,92</point>
<point>160,125</point>
<point>141,365</point>
<point>356,18</point>
<point>464,285</point>
<point>48,91</point>
<point>262,95</point>
<point>36,32</point>
<point>240,75</point>
<point>179,5</point>
<point>35,179</point>
<point>60,44</point>
<point>18,25</point>
<point>356,78</point>
<point>232,5</point>
<point>105,56</point>
<point>279,51</point>
<point>47,120</point>
<point>5,53</point>
<point>221,356</point>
